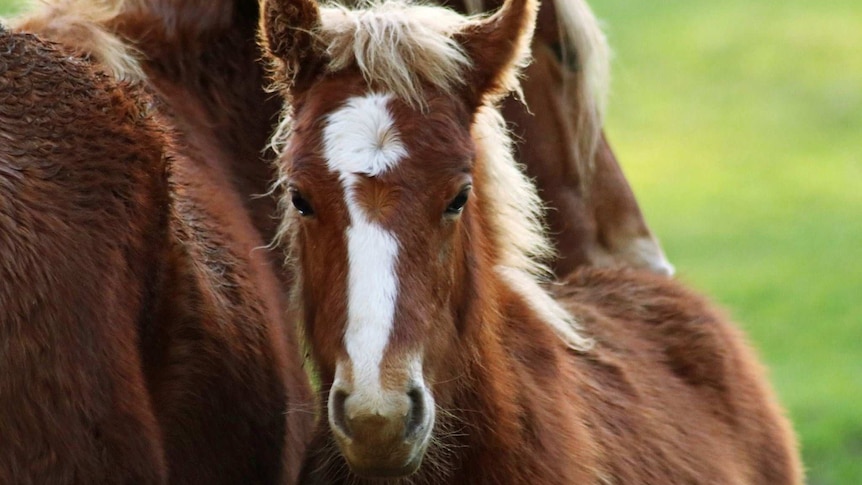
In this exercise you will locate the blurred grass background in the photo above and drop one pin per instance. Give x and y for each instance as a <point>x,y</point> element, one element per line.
<point>739,124</point>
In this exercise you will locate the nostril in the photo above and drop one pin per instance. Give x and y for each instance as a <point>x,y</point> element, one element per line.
<point>337,403</point>
<point>416,416</point>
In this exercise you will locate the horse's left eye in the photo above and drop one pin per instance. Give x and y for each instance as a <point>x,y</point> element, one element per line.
<point>457,204</point>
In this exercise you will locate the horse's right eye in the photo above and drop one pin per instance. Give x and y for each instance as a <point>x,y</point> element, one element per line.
<point>457,204</point>
<point>300,204</point>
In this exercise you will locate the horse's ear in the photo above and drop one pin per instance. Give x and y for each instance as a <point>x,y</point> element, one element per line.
<point>287,33</point>
<point>498,46</point>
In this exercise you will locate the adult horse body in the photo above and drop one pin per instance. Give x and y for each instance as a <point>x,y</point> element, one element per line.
<point>142,336</point>
<point>416,240</point>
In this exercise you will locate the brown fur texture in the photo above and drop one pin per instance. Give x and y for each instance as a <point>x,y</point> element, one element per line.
<point>144,328</point>
<point>668,393</point>
<point>201,59</point>
<point>213,83</point>
<point>82,220</point>
<point>670,378</point>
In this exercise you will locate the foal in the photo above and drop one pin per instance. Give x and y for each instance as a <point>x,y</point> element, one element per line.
<point>441,357</point>
<point>141,336</point>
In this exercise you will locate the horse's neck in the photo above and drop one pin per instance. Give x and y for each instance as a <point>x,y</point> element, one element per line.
<point>515,398</point>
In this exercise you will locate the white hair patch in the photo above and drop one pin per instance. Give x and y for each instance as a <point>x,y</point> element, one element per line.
<point>360,139</point>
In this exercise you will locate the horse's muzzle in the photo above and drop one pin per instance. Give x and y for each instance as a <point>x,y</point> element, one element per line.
<point>383,435</point>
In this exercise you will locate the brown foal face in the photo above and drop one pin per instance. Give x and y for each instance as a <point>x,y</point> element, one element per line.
<point>381,192</point>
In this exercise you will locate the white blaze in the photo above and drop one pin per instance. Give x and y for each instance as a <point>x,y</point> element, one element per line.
<point>360,139</point>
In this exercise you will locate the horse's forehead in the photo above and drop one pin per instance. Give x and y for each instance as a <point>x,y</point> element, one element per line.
<point>361,137</point>
<point>360,130</point>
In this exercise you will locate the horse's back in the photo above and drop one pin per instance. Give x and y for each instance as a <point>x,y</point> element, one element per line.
<point>76,242</point>
<point>674,387</point>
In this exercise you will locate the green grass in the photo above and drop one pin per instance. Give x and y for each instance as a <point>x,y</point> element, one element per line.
<point>739,125</point>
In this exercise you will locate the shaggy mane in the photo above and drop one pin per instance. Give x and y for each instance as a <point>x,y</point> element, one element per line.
<point>518,228</point>
<point>82,27</point>
<point>588,85</point>
<point>396,44</point>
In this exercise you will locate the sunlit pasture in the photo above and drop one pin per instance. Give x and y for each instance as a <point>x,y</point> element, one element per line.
<point>740,126</point>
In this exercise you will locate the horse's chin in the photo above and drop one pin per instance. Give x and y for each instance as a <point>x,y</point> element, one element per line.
<point>393,462</point>
<point>392,473</point>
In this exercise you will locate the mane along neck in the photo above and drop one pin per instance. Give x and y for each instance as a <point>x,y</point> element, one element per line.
<point>82,26</point>
<point>517,231</point>
<point>582,38</point>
